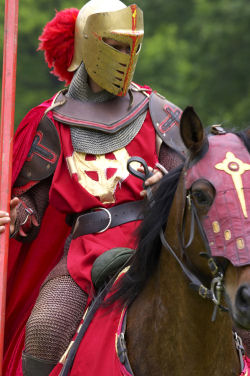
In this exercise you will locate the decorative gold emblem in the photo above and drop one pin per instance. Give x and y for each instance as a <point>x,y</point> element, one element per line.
<point>100,174</point>
<point>235,167</point>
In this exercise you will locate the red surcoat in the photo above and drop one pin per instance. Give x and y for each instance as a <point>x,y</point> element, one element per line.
<point>69,196</point>
<point>29,264</point>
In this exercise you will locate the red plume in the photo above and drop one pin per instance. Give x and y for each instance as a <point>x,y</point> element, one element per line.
<point>57,42</point>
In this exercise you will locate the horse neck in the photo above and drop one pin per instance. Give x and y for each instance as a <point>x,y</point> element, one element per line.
<point>170,330</point>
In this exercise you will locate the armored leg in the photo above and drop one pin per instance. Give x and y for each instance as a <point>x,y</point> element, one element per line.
<point>53,320</point>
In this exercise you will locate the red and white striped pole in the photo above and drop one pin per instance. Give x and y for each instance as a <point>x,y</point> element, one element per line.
<point>6,143</point>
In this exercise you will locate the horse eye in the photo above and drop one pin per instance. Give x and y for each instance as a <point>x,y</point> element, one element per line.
<point>202,198</point>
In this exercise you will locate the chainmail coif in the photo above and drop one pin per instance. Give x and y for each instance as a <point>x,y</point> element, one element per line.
<point>96,142</point>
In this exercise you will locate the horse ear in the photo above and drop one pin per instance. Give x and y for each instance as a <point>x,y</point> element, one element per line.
<point>192,131</point>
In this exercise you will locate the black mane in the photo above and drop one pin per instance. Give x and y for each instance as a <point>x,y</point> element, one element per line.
<point>156,215</point>
<point>148,251</point>
<point>245,137</point>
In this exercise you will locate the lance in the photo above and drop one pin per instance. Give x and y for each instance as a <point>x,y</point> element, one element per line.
<point>6,143</point>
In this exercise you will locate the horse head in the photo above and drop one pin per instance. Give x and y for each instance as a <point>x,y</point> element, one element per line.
<point>217,189</point>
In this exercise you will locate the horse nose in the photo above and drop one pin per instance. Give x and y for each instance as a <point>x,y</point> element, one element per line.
<point>243,298</point>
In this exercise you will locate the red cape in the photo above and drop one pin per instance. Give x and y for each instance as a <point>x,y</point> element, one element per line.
<point>28,264</point>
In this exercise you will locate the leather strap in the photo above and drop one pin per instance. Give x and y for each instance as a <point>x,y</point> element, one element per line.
<point>101,219</point>
<point>43,156</point>
<point>166,119</point>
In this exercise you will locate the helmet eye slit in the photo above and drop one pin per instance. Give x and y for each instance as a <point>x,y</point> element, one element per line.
<point>114,38</point>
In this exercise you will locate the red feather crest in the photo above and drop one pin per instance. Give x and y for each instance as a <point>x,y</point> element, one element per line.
<point>57,42</point>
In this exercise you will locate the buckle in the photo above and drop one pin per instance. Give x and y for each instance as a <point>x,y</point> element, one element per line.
<point>109,219</point>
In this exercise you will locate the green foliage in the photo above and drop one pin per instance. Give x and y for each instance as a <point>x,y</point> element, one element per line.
<point>195,52</point>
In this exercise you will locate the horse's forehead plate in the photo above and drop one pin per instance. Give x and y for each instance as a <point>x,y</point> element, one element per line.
<point>226,166</point>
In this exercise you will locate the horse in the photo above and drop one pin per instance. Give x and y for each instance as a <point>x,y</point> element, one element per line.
<point>188,283</point>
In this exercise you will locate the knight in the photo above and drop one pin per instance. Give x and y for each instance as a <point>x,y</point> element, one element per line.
<point>71,156</point>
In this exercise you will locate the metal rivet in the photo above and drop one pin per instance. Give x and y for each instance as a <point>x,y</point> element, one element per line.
<point>216,227</point>
<point>227,234</point>
<point>48,166</point>
<point>240,243</point>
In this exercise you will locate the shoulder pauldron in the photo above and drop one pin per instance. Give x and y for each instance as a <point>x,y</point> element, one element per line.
<point>109,117</point>
<point>42,158</point>
<point>166,119</point>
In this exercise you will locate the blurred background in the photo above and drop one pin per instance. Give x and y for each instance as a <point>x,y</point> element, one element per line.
<point>195,52</point>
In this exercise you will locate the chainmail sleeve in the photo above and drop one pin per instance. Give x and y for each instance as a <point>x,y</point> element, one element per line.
<point>30,211</point>
<point>168,157</point>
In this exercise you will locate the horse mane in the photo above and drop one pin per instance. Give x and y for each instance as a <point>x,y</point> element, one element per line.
<point>146,257</point>
<point>147,254</point>
<point>245,137</point>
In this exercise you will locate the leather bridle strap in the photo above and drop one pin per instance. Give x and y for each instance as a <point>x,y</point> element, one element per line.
<point>195,282</point>
<point>217,271</point>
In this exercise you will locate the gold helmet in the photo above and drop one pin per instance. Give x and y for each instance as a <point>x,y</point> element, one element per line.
<point>97,22</point>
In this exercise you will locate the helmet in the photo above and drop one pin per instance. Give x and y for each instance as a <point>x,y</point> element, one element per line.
<point>98,21</point>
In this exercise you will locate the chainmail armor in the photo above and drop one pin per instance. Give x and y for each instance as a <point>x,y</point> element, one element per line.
<point>168,157</point>
<point>54,319</point>
<point>96,142</point>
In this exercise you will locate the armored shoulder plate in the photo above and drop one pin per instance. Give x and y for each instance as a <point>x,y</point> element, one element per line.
<point>109,117</point>
<point>166,119</point>
<point>42,158</point>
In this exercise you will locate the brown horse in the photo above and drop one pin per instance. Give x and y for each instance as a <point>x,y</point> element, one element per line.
<point>169,327</point>
<point>173,290</point>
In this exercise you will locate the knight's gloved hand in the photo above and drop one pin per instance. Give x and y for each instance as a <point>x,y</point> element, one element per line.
<point>9,218</point>
<point>155,178</point>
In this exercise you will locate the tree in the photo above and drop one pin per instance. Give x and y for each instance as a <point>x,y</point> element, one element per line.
<point>194,52</point>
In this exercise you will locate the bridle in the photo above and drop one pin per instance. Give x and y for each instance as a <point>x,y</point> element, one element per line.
<point>216,289</point>
<point>217,269</point>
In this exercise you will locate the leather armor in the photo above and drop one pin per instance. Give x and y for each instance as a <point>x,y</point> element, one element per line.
<point>42,158</point>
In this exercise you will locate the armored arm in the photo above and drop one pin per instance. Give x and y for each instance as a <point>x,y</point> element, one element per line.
<point>34,180</point>
<point>30,211</point>
<point>166,118</point>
